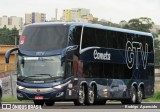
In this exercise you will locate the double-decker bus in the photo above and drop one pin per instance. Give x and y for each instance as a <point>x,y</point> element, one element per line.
<point>84,63</point>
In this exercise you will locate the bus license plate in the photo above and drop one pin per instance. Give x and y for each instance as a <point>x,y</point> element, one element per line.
<point>38,98</point>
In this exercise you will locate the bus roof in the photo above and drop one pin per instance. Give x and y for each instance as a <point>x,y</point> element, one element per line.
<point>91,25</point>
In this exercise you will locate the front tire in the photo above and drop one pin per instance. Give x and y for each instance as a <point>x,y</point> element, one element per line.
<point>81,96</point>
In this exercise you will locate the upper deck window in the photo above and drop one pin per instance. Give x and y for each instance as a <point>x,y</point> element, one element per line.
<point>44,37</point>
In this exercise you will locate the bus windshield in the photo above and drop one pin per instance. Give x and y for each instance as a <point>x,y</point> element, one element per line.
<point>44,37</point>
<point>41,68</point>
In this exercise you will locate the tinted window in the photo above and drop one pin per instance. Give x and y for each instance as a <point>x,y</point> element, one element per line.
<point>149,41</point>
<point>75,35</point>
<point>44,37</point>
<point>106,70</point>
<point>117,71</point>
<point>121,40</point>
<point>101,37</point>
<point>89,39</point>
<point>112,39</point>
<point>69,68</point>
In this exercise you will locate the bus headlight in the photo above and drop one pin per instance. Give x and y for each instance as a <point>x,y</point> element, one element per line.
<point>58,87</point>
<point>20,87</point>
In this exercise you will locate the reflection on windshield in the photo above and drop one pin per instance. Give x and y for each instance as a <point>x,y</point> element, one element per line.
<point>41,67</point>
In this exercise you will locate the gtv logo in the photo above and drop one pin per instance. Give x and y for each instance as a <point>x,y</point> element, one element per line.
<point>133,50</point>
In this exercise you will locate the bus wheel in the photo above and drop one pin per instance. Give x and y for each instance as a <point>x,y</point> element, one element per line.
<point>139,96</point>
<point>49,103</point>
<point>39,102</point>
<point>90,96</point>
<point>81,96</point>
<point>133,95</point>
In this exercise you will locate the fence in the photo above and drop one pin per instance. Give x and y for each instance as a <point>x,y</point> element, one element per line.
<point>8,83</point>
<point>7,67</point>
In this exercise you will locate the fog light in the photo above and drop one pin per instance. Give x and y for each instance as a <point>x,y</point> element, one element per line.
<point>58,87</point>
<point>20,95</point>
<point>20,87</point>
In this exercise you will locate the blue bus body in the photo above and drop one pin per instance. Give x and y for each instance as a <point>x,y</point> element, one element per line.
<point>93,64</point>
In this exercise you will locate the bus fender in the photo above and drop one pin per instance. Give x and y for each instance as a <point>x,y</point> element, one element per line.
<point>140,84</point>
<point>134,83</point>
<point>84,83</point>
<point>92,83</point>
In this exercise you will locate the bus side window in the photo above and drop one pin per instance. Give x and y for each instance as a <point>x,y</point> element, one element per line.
<point>101,38</point>
<point>149,41</point>
<point>110,39</point>
<point>121,40</point>
<point>89,39</point>
<point>75,35</point>
<point>69,69</point>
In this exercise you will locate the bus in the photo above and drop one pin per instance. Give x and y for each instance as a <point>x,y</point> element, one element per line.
<point>84,63</point>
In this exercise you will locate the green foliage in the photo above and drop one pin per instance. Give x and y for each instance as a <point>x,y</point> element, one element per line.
<point>157,52</point>
<point>7,37</point>
<point>155,98</point>
<point>107,23</point>
<point>13,99</point>
<point>140,24</point>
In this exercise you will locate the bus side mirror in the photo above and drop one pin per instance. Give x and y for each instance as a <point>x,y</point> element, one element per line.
<point>8,53</point>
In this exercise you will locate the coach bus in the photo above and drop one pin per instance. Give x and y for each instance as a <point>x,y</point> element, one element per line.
<point>84,63</point>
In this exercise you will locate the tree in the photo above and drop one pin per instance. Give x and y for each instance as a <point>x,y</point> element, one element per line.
<point>7,37</point>
<point>157,52</point>
<point>140,24</point>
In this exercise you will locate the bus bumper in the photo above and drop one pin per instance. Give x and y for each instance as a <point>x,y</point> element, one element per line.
<point>51,95</point>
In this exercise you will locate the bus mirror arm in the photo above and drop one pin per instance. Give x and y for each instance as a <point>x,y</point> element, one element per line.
<point>8,53</point>
<point>70,48</point>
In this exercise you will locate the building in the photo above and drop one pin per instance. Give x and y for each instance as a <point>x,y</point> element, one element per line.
<point>67,16</point>
<point>35,17</point>
<point>11,22</point>
<point>77,15</point>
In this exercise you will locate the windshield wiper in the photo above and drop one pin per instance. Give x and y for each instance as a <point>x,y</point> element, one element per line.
<point>42,75</point>
<point>35,75</point>
<point>22,78</point>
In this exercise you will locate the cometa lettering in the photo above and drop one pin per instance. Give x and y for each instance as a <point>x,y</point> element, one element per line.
<point>101,56</point>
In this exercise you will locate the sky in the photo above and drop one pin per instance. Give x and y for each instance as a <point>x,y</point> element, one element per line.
<point>111,10</point>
